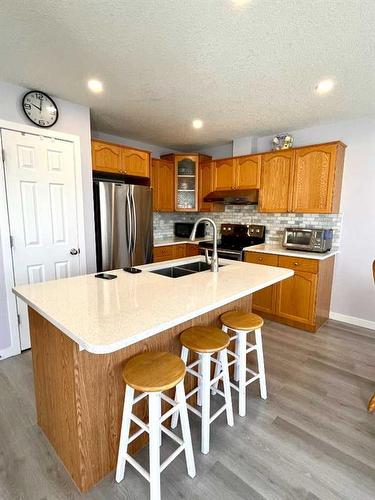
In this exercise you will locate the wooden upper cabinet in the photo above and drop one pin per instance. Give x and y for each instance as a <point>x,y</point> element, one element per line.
<point>163,185</point>
<point>106,157</point>
<point>224,177</point>
<point>117,159</point>
<point>247,172</point>
<point>317,178</point>
<point>135,162</point>
<point>276,177</point>
<point>205,184</point>
<point>166,186</point>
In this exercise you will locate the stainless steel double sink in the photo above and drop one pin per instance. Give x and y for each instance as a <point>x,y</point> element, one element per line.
<point>183,269</point>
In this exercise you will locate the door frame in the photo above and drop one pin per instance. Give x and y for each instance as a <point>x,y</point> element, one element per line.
<point>15,347</point>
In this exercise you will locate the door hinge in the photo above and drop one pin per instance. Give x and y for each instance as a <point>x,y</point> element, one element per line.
<point>18,319</point>
<point>11,241</point>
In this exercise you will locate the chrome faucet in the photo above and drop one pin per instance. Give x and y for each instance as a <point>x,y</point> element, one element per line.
<point>214,258</point>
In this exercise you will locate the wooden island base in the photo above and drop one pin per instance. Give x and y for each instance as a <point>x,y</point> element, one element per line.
<point>79,395</point>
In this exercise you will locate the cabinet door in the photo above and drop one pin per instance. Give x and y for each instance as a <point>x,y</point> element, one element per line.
<point>224,177</point>
<point>206,184</point>
<point>179,251</point>
<point>314,173</point>
<point>135,162</point>
<point>296,297</point>
<point>186,183</point>
<point>155,183</point>
<point>248,172</point>
<point>166,186</point>
<point>264,300</point>
<point>192,250</point>
<point>275,181</point>
<point>163,253</point>
<point>106,157</point>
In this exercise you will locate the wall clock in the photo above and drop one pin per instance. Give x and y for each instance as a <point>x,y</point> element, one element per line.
<point>40,108</point>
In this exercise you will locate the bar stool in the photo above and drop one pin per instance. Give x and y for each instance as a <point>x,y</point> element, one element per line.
<point>205,341</point>
<point>242,323</point>
<point>152,373</point>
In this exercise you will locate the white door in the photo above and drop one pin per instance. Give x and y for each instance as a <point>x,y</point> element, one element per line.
<point>41,197</point>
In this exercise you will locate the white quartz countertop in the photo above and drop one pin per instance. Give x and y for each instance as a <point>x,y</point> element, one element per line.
<point>173,240</point>
<point>103,316</point>
<point>279,250</point>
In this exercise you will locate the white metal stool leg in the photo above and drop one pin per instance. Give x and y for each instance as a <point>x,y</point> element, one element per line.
<point>223,356</point>
<point>205,385</point>
<point>241,342</point>
<point>260,358</point>
<point>124,436</point>
<point>186,436</point>
<point>154,444</point>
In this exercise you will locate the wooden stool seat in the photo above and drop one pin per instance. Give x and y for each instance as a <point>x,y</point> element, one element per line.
<point>204,339</point>
<point>154,371</point>
<point>239,320</point>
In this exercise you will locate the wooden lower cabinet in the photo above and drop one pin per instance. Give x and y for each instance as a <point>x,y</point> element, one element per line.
<point>303,300</point>
<point>179,251</point>
<point>295,298</point>
<point>192,250</point>
<point>265,300</point>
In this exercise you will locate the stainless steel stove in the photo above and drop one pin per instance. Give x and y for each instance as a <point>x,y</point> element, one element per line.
<point>234,238</point>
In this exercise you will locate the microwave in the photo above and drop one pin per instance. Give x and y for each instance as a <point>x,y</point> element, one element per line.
<point>308,240</point>
<point>184,229</point>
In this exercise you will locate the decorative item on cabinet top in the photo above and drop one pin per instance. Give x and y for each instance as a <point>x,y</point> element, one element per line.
<point>282,141</point>
<point>118,159</point>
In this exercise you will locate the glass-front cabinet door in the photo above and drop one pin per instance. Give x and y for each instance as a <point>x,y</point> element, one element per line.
<point>186,183</point>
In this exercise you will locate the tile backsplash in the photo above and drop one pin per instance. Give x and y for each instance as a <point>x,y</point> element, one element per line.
<point>247,214</point>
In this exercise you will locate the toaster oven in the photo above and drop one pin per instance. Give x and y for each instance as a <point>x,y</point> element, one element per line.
<point>308,240</point>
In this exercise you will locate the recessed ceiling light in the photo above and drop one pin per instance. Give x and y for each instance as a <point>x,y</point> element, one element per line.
<point>324,86</point>
<point>240,3</point>
<point>95,86</point>
<point>197,123</point>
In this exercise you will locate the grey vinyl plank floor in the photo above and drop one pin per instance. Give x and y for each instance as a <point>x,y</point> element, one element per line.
<point>311,439</point>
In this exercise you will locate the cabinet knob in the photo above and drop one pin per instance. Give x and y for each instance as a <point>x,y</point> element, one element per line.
<point>296,263</point>
<point>260,258</point>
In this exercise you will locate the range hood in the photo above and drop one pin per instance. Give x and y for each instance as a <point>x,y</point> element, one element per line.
<point>233,197</point>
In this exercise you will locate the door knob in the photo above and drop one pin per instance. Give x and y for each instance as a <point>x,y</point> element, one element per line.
<point>74,251</point>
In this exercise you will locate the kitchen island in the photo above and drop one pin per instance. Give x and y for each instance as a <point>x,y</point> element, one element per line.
<point>83,329</point>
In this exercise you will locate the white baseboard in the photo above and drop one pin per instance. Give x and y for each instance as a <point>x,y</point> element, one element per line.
<point>8,352</point>
<point>365,323</point>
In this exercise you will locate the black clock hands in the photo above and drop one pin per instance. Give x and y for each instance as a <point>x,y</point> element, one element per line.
<point>37,107</point>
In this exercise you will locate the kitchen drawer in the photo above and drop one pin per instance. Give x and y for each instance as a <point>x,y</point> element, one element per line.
<point>299,264</point>
<point>163,253</point>
<point>262,258</point>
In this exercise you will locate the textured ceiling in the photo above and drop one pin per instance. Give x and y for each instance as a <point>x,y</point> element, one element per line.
<point>243,71</point>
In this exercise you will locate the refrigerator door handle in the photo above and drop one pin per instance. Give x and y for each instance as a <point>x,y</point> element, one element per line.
<point>134,220</point>
<point>128,222</point>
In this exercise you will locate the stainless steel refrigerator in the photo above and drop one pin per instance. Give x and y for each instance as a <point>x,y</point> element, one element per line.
<point>123,225</point>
